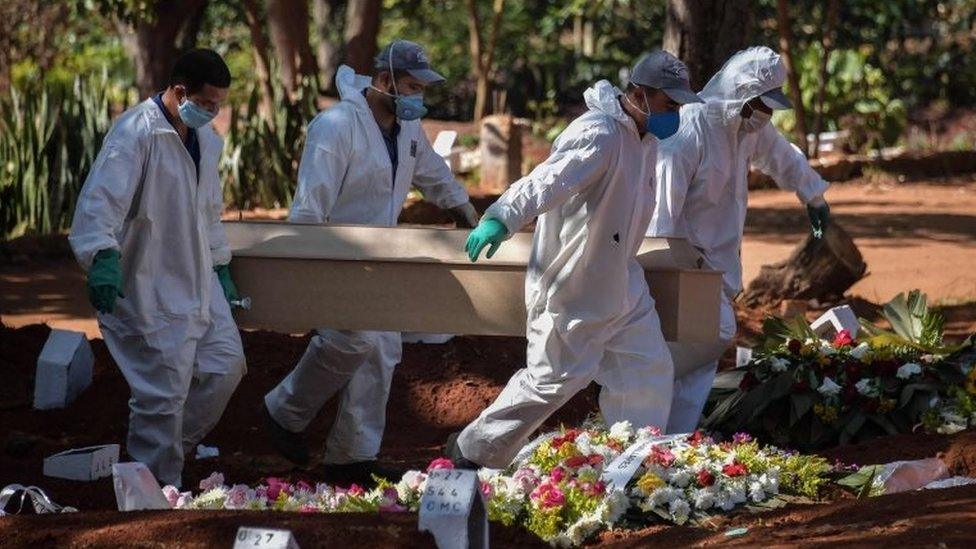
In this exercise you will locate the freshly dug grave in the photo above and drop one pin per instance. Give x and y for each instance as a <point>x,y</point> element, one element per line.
<point>436,390</point>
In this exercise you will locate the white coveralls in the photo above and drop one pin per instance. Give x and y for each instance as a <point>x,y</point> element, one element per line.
<point>702,193</point>
<point>346,177</point>
<point>590,316</point>
<point>172,335</point>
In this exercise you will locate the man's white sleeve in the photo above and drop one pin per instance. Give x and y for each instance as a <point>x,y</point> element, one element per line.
<point>322,170</point>
<point>678,160</point>
<point>576,162</point>
<point>785,163</point>
<point>434,178</point>
<point>106,197</point>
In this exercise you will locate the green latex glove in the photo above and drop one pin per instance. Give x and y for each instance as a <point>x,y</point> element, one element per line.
<point>105,280</point>
<point>489,231</point>
<point>223,275</point>
<point>819,219</point>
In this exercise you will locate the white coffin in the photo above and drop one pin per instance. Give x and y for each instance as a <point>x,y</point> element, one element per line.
<point>91,463</point>
<point>300,277</point>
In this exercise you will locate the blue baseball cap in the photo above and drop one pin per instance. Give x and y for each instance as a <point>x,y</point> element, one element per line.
<point>403,55</point>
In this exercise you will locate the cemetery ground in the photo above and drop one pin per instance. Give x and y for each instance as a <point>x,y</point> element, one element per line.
<point>913,234</point>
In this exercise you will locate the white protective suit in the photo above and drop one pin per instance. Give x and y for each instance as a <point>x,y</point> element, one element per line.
<point>590,316</point>
<point>345,176</point>
<point>172,335</point>
<point>702,191</point>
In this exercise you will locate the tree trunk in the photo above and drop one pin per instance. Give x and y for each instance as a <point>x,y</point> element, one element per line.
<point>826,45</point>
<point>328,24</point>
<point>792,78</point>
<point>817,269</point>
<point>259,49</point>
<point>705,33</point>
<point>483,53</point>
<point>362,27</point>
<point>152,45</point>
<point>288,23</point>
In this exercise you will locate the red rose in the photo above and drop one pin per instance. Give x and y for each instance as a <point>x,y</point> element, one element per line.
<point>735,469</point>
<point>696,438</point>
<point>748,381</point>
<point>794,346</point>
<point>576,461</point>
<point>705,478</point>
<point>843,338</point>
<point>801,385</point>
<point>595,459</point>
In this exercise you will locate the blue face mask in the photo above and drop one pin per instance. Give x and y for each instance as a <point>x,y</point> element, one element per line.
<point>193,115</point>
<point>663,124</point>
<point>410,107</point>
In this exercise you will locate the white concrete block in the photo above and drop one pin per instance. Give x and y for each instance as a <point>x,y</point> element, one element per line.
<point>64,369</point>
<point>91,463</point>
<point>836,319</point>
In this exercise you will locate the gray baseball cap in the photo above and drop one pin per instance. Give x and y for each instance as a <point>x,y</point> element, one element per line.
<point>776,99</point>
<point>403,55</point>
<point>663,71</point>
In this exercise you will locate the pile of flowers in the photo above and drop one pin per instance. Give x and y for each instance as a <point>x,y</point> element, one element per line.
<point>556,487</point>
<point>806,392</point>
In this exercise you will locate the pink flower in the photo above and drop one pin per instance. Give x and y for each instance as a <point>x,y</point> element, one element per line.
<point>355,490</point>
<point>548,495</point>
<point>843,338</point>
<point>308,508</point>
<point>440,463</point>
<point>302,486</point>
<point>741,438</point>
<point>261,492</point>
<point>237,496</point>
<point>172,494</point>
<point>598,489</point>
<point>557,474</point>
<point>661,456</point>
<point>486,489</point>
<point>655,431</point>
<point>276,487</point>
<point>215,480</point>
<point>526,479</point>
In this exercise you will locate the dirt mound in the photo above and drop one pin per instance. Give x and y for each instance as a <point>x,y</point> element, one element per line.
<point>437,389</point>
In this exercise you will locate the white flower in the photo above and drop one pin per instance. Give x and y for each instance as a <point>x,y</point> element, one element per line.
<point>828,387</point>
<point>172,494</point>
<point>866,386</point>
<point>908,370</point>
<point>679,510</point>
<point>621,430</point>
<point>860,351</point>
<point>826,349</point>
<point>779,364</point>
<point>680,478</point>
<point>756,491</point>
<point>703,498</point>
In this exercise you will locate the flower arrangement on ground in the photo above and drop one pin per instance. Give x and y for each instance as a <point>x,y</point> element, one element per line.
<point>806,392</point>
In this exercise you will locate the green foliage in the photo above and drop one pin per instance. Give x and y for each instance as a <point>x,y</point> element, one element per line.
<point>49,138</point>
<point>263,149</point>
<point>913,326</point>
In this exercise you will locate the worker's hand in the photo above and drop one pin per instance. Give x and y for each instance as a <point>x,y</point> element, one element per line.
<point>105,280</point>
<point>226,283</point>
<point>489,231</point>
<point>465,216</point>
<point>819,213</point>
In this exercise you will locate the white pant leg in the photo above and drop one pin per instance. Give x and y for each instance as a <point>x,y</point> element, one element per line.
<point>218,369</point>
<point>691,389</point>
<point>636,373</point>
<point>158,368</point>
<point>361,417</point>
<point>330,360</point>
<point>558,367</point>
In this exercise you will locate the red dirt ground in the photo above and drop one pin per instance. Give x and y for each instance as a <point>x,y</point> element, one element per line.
<point>436,390</point>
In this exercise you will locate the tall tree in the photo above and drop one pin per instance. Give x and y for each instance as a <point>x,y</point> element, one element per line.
<point>483,52</point>
<point>328,24</point>
<point>785,30</point>
<point>288,23</point>
<point>826,46</point>
<point>154,35</point>
<point>362,27</point>
<point>704,33</point>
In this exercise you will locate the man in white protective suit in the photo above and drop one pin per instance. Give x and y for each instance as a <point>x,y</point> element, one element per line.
<point>361,158</point>
<point>590,316</point>
<point>147,229</point>
<point>702,190</point>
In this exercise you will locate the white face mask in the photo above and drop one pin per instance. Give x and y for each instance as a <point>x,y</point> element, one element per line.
<point>757,119</point>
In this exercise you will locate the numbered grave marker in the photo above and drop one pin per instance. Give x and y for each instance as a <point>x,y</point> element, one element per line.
<point>264,538</point>
<point>453,510</point>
